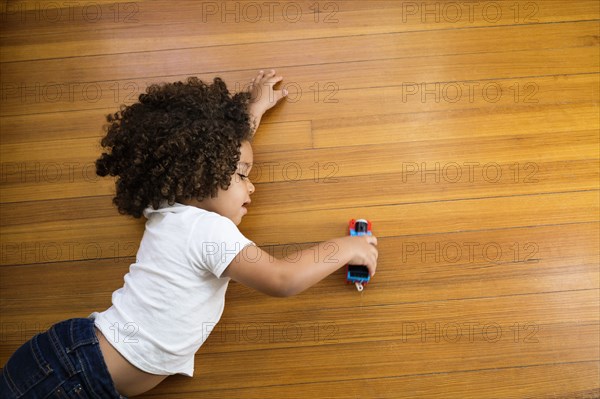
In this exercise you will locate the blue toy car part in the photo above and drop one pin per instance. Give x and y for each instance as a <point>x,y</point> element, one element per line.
<point>358,274</point>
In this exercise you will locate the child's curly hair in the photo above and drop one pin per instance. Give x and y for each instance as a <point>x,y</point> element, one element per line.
<point>180,141</point>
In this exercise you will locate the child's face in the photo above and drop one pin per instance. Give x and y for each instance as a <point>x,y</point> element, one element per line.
<point>230,203</point>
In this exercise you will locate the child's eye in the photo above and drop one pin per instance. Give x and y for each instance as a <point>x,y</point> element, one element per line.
<point>244,177</point>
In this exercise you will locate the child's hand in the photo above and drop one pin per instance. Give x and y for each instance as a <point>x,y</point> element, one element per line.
<point>365,252</point>
<point>262,95</point>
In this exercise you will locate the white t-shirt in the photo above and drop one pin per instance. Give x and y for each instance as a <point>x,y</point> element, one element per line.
<point>173,294</point>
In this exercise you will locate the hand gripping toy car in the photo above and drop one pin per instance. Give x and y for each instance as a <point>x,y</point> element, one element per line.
<point>359,275</point>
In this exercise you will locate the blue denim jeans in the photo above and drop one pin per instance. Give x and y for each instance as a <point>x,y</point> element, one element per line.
<point>63,362</point>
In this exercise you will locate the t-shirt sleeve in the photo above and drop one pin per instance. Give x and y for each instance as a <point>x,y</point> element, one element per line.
<point>214,242</point>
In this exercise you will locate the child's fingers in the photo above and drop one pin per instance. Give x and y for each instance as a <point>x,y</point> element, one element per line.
<point>265,76</point>
<point>270,79</point>
<point>371,240</point>
<point>375,257</point>
<point>253,82</point>
<point>279,94</point>
<point>274,80</point>
<point>270,82</point>
<point>258,77</point>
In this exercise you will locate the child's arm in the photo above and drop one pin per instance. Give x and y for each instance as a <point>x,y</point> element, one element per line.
<point>283,278</point>
<point>262,96</point>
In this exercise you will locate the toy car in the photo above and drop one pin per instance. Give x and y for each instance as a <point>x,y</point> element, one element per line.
<point>357,274</point>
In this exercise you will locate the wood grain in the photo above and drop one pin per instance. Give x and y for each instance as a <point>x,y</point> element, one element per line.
<point>470,140</point>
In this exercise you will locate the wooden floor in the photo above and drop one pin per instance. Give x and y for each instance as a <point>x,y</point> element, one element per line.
<point>468,133</point>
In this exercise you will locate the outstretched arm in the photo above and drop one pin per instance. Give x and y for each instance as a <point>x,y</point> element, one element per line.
<point>262,96</point>
<point>282,278</point>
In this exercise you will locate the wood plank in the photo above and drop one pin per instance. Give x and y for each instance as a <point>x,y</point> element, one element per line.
<point>268,166</point>
<point>485,337</point>
<point>329,191</point>
<point>57,126</point>
<point>411,323</point>
<point>561,248</point>
<point>179,62</point>
<point>325,85</point>
<point>551,380</point>
<point>94,239</point>
<point>571,89</point>
<point>422,182</point>
<point>517,118</point>
<point>391,355</point>
<point>65,169</point>
<point>30,32</point>
<point>413,126</point>
<point>89,124</point>
<point>383,360</point>
<point>414,103</point>
<point>419,268</point>
<point>424,321</point>
<point>413,268</point>
<point>398,157</point>
<point>451,216</point>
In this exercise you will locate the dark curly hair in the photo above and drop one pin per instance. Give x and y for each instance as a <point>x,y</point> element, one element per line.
<point>179,141</point>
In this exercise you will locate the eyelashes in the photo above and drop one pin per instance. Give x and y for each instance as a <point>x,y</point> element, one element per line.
<point>244,177</point>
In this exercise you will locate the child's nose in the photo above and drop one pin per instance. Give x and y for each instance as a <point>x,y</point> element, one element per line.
<point>251,187</point>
